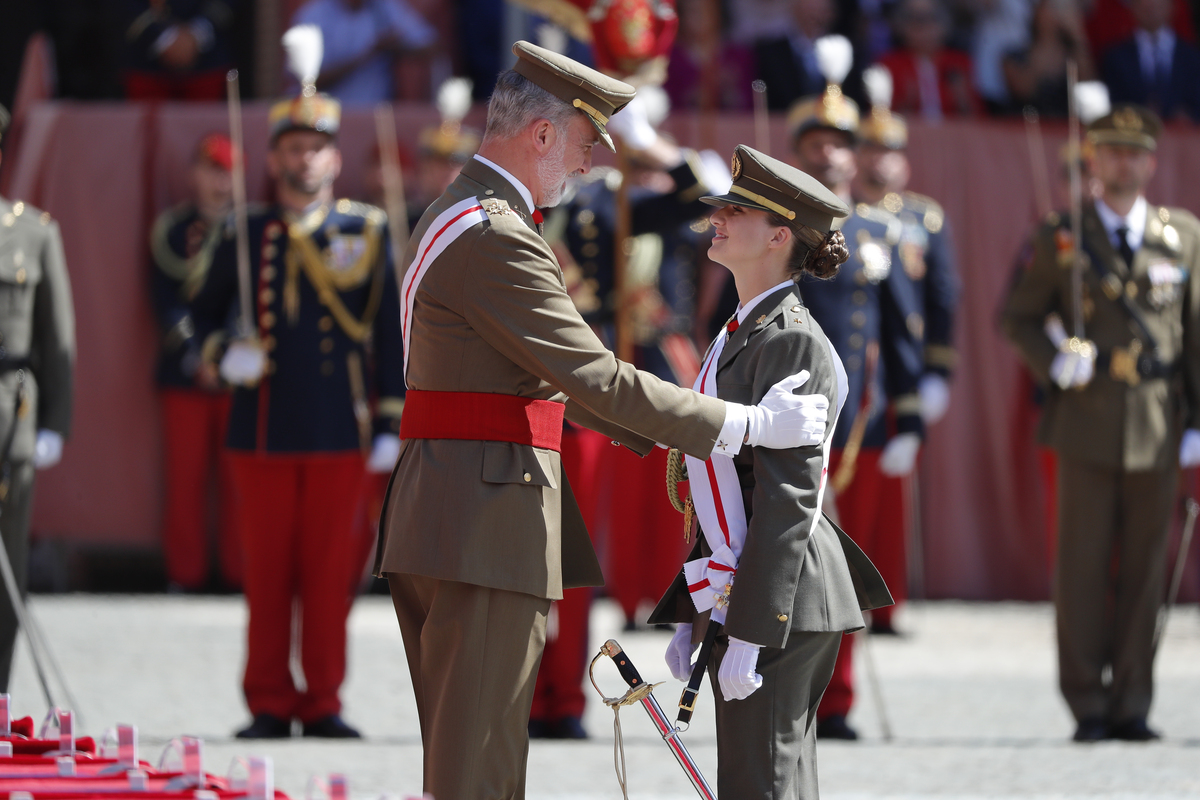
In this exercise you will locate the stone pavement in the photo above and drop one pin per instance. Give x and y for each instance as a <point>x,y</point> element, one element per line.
<point>970,695</point>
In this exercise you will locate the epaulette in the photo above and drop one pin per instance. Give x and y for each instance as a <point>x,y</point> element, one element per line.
<point>933,217</point>
<point>894,228</point>
<point>353,208</point>
<point>496,207</point>
<point>23,212</point>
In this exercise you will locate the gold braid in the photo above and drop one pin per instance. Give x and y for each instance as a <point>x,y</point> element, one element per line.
<point>677,474</point>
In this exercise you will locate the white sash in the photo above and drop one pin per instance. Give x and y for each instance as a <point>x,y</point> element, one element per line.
<point>448,226</point>
<point>717,496</point>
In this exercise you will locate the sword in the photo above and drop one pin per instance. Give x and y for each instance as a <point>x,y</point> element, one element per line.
<point>1185,541</point>
<point>642,692</point>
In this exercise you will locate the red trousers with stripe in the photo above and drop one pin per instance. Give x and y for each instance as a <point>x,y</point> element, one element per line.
<point>558,692</point>
<point>873,514</point>
<point>303,552</point>
<point>197,469</point>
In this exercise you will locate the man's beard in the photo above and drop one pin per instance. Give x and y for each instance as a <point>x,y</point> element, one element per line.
<point>550,173</point>
<point>296,182</point>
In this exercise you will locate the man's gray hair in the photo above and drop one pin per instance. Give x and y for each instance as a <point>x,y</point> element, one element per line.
<point>517,101</point>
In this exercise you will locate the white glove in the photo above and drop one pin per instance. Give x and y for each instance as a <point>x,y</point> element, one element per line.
<point>784,420</point>
<point>1071,369</point>
<point>384,452</point>
<point>47,449</point>
<point>1189,449</point>
<point>632,125</point>
<point>736,675</point>
<point>935,397</point>
<point>243,363</point>
<point>899,455</point>
<point>679,652</point>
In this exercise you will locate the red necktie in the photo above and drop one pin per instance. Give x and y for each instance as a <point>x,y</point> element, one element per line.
<point>732,326</point>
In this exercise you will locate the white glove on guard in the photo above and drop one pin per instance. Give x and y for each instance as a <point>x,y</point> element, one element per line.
<point>384,452</point>
<point>243,363</point>
<point>736,675</point>
<point>935,397</point>
<point>899,455</point>
<point>679,652</point>
<point>1189,449</point>
<point>1071,370</point>
<point>47,449</point>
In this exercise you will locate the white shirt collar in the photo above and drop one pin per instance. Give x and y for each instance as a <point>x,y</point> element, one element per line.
<point>744,311</point>
<point>526,195</point>
<point>1135,221</point>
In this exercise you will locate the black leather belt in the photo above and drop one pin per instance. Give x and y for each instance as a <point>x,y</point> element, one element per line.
<point>13,364</point>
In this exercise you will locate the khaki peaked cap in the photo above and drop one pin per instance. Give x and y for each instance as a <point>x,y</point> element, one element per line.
<point>593,93</point>
<point>767,184</point>
<point>1132,125</point>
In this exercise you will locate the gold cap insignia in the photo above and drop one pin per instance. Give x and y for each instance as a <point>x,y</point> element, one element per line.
<point>735,166</point>
<point>1126,119</point>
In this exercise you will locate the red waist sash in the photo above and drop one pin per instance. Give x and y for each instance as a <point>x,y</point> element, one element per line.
<point>483,417</point>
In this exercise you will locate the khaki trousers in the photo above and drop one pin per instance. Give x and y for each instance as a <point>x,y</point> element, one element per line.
<point>767,743</point>
<point>473,653</point>
<point>1113,529</point>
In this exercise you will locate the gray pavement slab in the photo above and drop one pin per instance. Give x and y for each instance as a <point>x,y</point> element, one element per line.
<point>969,693</point>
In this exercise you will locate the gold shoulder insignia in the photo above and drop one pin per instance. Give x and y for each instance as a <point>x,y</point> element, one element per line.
<point>354,208</point>
<point>44,218</point>
<point>495,207</point>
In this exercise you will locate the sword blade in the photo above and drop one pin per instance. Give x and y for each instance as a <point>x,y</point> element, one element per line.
<point>670,735</point>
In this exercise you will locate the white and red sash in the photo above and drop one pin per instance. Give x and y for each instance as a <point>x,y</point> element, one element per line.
<point>448,226</point>
<point>717,496</point>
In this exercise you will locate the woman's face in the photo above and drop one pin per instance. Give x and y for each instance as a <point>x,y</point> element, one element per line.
<point>741,236</point>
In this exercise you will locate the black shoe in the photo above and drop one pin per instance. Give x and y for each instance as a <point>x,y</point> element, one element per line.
<point>541,729</point>
<point>884,629</point>
<point>266,726</point>
<point>1134,730</point>
<point>570,728</point>
<point>1091,730</point>
<point>331,727</point>
<point>835,727</point>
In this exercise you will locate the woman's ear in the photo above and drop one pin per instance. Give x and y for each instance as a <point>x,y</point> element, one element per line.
<point>781,237</point>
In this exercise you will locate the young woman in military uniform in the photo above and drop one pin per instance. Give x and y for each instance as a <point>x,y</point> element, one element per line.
<point>770,569</point>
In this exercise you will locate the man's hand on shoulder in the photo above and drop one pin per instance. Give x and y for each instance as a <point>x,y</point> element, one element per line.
<point>782,420</point>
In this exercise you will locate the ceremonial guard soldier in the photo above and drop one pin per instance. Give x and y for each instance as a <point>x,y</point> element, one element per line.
<point>301,430</point>
<point>195,406</point>
<point>613,485</point>
<point>871,314</point>
<point>927,260</point>
<point>481,530</point>
<point>1122,412</point>
<point>771,584</point>
<point>37,354</point>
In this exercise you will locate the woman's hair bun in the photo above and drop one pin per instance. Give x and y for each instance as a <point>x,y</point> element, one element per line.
<point>825,260</point>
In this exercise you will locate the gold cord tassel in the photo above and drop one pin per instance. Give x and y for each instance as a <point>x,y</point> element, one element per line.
<point>677,474</point>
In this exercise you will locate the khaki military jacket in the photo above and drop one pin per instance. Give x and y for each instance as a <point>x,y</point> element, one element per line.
<point>492,315</point>
<point>1110,423</point>
<point>791,576</point>
<point>37,327</point>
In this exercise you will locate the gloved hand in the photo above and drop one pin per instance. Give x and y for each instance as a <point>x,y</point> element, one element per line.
<point>736,676</point>
<point>1071,369</point>
<point>243,363</point>
<point>384,452</point>
<point>899,455</point>
<point>632,125</point>
<point>784,420</point>
<point>935,397</point>
<point>679,652</point>
<point>47,449</point>
<point>1189,449</point>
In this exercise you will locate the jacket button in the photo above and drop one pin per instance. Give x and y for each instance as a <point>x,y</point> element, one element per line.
<point>783,617</point>
<point>528,477</point>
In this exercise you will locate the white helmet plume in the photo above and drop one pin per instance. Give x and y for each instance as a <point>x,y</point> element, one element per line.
<point>878,82</point>
<point>834,57</point>
<point>305,47</point>
<point>1091,101</point>
<point>454,99</point>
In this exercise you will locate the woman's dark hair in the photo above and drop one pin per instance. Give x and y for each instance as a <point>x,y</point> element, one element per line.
<point>817,253</point>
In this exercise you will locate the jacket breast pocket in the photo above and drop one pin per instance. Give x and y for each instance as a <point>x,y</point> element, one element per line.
<point>505,462</point>
<point>19,274</point>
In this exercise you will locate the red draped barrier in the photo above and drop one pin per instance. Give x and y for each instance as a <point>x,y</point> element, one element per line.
<point>104,170</point>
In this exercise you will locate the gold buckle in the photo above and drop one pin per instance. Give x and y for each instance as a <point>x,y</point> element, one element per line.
<point>684,703</point>
<point>1123,364</point>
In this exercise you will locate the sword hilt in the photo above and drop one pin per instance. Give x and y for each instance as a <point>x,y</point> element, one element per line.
<point>624,665</point>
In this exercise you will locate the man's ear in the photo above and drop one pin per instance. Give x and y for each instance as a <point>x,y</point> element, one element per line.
<point>544,135</point>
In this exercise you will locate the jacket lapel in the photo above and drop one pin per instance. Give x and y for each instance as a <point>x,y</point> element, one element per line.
<point>758,318</point>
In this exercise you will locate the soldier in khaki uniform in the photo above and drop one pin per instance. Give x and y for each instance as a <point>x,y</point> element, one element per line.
<point>1122,412</point>
<point>798,582</point>
<point>37,352</point>
<point>481,530</point>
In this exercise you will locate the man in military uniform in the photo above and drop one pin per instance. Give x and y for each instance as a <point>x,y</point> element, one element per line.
<point>195,406</point>
<point>1122,412</point>
<point>927,259</point>
<point>870,313</point>
<point>481,530</point>
<point>37,353</point>
<point>301,428</point>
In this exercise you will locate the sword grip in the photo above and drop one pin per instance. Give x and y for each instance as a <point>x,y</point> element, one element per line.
<point>624,665</point>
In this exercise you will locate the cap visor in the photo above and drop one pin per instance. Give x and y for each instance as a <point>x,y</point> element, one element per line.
<point>732,200</point>
<point>604,137</point>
